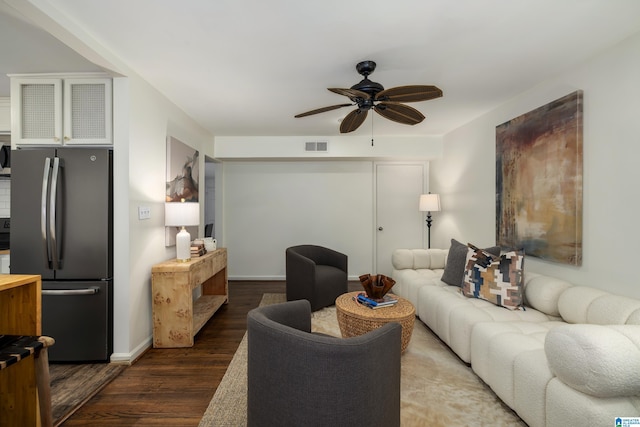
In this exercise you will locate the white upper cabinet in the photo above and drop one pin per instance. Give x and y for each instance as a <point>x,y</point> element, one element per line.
<point>87,111</point>
<point>61,111</point>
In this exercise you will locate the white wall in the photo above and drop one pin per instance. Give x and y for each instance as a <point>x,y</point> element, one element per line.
<point>465,176</point>
<point>269,206</point>
<point>347,147</point>
<point>276,195</point>
<point>142,120</point>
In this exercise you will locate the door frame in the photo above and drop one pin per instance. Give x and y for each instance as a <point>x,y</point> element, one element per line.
<point>213,208</point>
<point>425,187</point>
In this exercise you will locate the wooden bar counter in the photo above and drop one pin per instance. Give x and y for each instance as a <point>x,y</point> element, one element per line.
<point>20,314</point>
<point>176,317</point>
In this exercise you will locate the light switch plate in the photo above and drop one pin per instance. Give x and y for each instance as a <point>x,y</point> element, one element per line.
<point>144,212</point>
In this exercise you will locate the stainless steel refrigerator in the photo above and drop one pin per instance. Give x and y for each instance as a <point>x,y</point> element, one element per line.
<point>62,229</point>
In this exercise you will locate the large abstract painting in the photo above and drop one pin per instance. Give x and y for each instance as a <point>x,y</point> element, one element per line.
<point>539,181</point>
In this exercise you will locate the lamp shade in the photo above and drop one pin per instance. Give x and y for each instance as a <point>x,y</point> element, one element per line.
<point>429,203</point>
<point>181,214</point>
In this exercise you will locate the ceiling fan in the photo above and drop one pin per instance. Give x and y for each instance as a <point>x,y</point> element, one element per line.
<point>386,102</point>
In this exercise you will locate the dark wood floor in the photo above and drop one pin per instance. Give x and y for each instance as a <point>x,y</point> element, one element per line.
<point>173,387</point>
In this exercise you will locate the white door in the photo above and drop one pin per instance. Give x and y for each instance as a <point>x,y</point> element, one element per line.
<point>398,221</point>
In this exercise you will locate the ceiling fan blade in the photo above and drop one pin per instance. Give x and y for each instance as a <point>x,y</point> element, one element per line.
<point>352,94</point>
<point>399,113</point>
<point>322,110</point>
<point>413,93</point>
<point>353,120</point>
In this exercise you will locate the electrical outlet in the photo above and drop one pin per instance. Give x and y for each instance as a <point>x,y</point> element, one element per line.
<point>144,212</point>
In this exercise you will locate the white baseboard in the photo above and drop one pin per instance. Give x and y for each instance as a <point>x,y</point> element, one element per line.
<point>274,278</point>
<point>261,278</point>
<point>129,358</point>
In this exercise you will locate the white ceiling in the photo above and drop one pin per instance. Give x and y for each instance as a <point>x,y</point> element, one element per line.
<point>246,67</point>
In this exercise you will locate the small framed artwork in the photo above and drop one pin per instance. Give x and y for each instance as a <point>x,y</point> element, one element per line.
<point>182,180</point>
<point>182,171</point>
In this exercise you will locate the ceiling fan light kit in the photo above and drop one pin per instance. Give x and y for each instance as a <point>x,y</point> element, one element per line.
<point>388,103</point>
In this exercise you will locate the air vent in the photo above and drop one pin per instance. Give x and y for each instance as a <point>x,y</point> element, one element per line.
<point>316,146</point>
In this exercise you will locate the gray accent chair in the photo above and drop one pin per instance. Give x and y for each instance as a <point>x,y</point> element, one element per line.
<point>315,273</point>
<point>298,378</point>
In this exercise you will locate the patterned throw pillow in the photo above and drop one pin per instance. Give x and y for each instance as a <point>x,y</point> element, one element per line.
<point>497,279</point>
<point>457,261</point>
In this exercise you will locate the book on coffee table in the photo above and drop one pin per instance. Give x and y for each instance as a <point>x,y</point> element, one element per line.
<point>385,301</point>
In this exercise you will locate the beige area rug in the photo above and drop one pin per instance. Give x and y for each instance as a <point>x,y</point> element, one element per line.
<point>74,384</point>
<point>438,389</point>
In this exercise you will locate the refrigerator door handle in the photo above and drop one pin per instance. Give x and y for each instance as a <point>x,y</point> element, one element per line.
<point>53,213</point>
<point>43,211</point>
<point>58,292</point>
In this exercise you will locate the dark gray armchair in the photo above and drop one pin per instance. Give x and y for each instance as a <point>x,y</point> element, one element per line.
<point>298,378</point>
<point>316,274</point>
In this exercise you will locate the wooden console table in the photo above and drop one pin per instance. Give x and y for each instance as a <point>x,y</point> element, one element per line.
<point>176,317</point>
<point>20,314</point>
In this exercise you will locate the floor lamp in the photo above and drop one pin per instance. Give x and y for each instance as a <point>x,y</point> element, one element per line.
<point>429,203</point>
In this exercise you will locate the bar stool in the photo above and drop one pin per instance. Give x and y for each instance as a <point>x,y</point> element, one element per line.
<point>15,348</point>
<point>43,381</point>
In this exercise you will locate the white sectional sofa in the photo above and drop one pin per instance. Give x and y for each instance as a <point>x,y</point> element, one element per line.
<point>571,357</point>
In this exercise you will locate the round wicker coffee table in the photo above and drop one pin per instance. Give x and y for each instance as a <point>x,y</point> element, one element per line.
<point>355,319</point>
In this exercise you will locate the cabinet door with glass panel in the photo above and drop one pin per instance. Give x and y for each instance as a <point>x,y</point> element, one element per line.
<point>56,111</point>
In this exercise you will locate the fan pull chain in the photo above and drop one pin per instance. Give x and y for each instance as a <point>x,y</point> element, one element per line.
<point>372,130</point>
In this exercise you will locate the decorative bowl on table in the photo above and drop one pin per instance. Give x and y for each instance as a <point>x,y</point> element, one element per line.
<point>377,285</point>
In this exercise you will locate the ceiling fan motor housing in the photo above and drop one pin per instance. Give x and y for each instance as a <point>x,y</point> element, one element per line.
<point>367,86</point>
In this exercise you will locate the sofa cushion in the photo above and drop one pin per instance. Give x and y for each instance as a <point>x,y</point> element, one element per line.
<point>583,304</point>
<point>417,259</point>
<point>483,333</point>
<point>453,316</point>
<point>456,262</point>
<point>567,407</point>
<point>543,292</point>
<point>574,302</point>
<point>601,361</point>
<point>462,321</point>
<point>612,310</point>
<point>531,375</point>
<point>497,279</point>
<point>408,282</point>
<point>634,318</point>
<point>402,259</point>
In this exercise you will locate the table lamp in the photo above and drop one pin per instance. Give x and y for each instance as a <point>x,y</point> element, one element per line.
<point>182,214</point>
<point>429,203</point>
